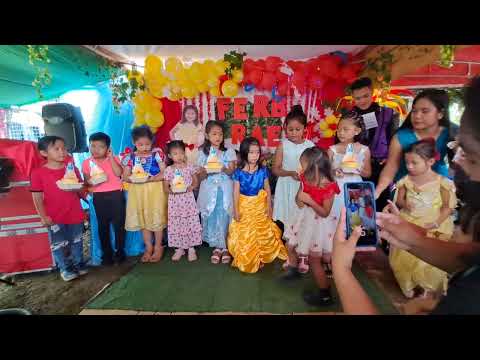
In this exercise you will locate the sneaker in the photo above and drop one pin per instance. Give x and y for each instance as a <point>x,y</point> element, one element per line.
<point>321,297</point>
<point>292,274</point>
<point>192,255</point>
<point>81,270</point>
<point>68,275</point>
<point>178,254</point>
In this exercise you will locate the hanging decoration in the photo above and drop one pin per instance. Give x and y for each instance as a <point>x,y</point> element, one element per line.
<point>38,57</point>
<point>447,55</point>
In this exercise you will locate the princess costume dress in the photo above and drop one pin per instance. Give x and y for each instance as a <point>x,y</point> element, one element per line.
<point>426,200</point>
<point>255,239</point>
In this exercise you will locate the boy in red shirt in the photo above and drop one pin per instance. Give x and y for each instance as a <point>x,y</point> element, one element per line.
<point>59,210</point>
<point>108,197</point>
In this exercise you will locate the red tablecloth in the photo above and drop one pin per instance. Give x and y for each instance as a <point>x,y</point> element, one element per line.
<point>25,157</point>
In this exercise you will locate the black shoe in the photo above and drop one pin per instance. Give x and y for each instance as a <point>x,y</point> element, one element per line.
<point>107,262</point>
<point>120,258</point>
<point>321,297</point>
<point>292,274</point>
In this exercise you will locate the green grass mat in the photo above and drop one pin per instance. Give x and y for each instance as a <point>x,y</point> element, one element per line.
<point>203,287</point>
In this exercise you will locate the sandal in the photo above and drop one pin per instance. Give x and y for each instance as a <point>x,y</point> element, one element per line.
<point>157,254</point>
<point>178,254</point>
<point>226,258</point>
<point>215,258</point>
<point>303,264</point>
<point>147,255</point>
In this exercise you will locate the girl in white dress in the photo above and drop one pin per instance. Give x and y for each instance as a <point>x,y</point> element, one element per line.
<point>286,164</point>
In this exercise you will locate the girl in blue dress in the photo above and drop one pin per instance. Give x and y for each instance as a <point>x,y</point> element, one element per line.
<point>253,239</point>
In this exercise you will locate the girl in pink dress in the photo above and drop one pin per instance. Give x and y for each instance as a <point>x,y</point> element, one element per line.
<point>184,229</point>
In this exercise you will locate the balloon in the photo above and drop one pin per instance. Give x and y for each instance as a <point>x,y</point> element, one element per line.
<point>353,207</point>
<point>202,87</point>
<point>328,67</point>
<point>283,88</point>
<point>153,64</point>
<point>248,65</point>
<point>328,133</point>
<point>323,125</point>
<point>220,67</point>
<point>331,119</point>
<point>317,81</point>
<point>215,91</point>
<point>268,80</point>
<point>230,88</point>
<point>249,87</point>
<point>255,77</point>
<point>348,74</point>
<point>333,90</point>
<point>189,91</point>
<point>173,65</point>
<point>298,79</point>
<point>173,96</point>
<point>195,72</point>
<point>237,75</point>
<point>259,65</point>
<point>213,82</point>
<point>272,63</point>
<point>343,56</point>
<point>281,77</point>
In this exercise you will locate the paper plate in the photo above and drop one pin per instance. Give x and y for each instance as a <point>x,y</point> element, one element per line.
<point>63,186</point>
<point>138,180</point>
<point>98,180</point>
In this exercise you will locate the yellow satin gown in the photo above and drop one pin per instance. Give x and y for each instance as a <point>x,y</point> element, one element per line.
<point>410,271</point>
<point>256,238</point>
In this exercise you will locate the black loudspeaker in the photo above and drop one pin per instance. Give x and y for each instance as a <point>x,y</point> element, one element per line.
<point>66,121</point>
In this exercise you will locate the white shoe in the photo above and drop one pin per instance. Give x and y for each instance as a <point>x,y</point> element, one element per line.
<point>178,254</point>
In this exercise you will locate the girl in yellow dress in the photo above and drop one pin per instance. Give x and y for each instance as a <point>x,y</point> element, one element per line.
<point>253,239</point>
<point>426,199</point>
<point>190,131</point>
<point>146,202</point>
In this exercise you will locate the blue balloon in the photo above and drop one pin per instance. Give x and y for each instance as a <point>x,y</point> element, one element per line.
<point>249,87</point>
<point>353,207</point>
<point>341,55</point>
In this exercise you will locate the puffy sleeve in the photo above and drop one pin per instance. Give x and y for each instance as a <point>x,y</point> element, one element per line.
<point>202,158</point>
<point>127,160</point>
<point>265,173</point>
<point>230,155</point>
<point>236,175</point>
<point>448,185</point>
<point>168,175</point>
<point>159,156</point>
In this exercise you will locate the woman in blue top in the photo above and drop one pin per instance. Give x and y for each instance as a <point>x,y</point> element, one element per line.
<point>428,119</point>
<point>253,238</point>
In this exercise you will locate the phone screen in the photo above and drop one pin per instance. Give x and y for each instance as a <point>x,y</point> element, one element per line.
<point>360,206</point>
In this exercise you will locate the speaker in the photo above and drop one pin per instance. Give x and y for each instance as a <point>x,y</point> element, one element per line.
<point>66,121</point>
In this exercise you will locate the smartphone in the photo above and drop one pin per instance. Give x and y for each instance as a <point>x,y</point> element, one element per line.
<point>360,206</point>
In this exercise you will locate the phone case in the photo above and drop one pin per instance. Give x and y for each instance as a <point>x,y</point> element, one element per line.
<point>361,247</point>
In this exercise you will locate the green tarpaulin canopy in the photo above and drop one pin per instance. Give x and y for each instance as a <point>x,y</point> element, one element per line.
<point>71,67</point>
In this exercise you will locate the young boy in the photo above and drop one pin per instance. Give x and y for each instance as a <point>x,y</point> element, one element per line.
<point>108,197</point>
<point>59,210</point>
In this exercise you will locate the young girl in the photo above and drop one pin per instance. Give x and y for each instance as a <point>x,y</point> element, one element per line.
<point>426,199</point>
<point>253,238</point>
<point>310,236</point>
<point>216,192</point>
<point>350,132</point>
<point>286,163</point>
<point>147,203</point>
<point>184,229</point>
<point>190,131</point>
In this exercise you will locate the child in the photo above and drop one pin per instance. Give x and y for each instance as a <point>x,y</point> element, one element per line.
<point>58,209</point>
<point>310,235</point>
<point>146,203</point>
<point>253,239</point>
<point>184,229</point>
<point>215,194</point>
<point>286,163</point>
<point>108,196</point>
<point>190,131</point>
<point>426,199</point>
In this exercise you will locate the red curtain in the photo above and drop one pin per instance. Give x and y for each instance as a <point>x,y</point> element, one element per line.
<point>25,157</point>
<point>172,112</point>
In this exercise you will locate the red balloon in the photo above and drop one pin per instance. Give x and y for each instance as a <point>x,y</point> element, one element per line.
<point>255,77</point>
<point>299,79</point>
<point>333,90</point>
<point>248,65</point>
<point>260,65</point>
<point>293,64</point>
<point>272,63</point>
<point>268,80</point>
<point>348,74</point>
<point>281,77</point>
<point>283,88</point>
<point>328,67</point>
<point>317,81</point>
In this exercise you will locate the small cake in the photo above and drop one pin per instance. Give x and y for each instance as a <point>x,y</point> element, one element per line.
<point>213,163</point>
<point>178,183</point>
<point>349,161</point>
<point>139,175</point>
<point>97,175</point>
<point>70,180</point>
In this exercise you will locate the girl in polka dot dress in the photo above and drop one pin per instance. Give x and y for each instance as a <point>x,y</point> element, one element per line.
<point>184,229</point>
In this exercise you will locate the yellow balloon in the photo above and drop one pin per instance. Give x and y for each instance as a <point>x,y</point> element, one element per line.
<point>209,64</point>
<point>323,125</point>
<point>215,91</point>
<point>237,75</point>
<point>173,96</point>
<point>195,72</point>
<point>202,87</point>
<point>230,88</point>
<point>153,130</point>
<point>328,133</point>
<point>189,91</point>
<point>213,82</point>
<point>220,67</point>
<point>331,119</point>
<point>173,65</point>
<point>181,75</point>
<point>153,63</point>
<point>139,120</point>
